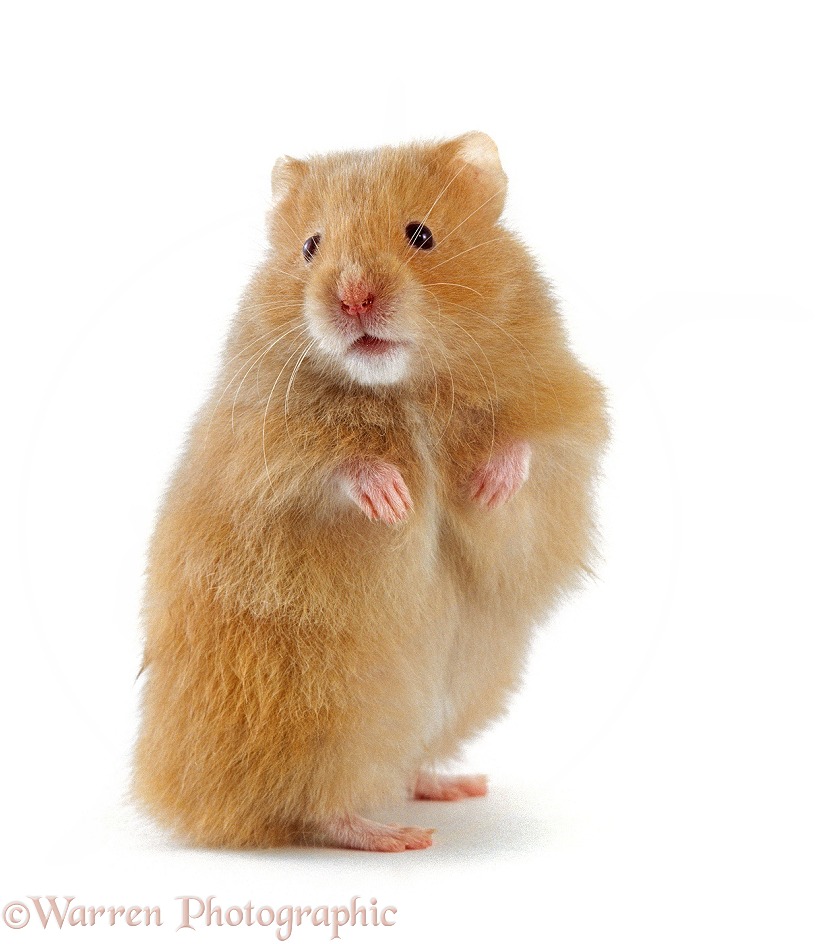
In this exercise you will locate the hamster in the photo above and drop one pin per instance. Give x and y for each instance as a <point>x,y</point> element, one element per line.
<point>390,486</point>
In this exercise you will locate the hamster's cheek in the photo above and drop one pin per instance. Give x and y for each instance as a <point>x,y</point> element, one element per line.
<point>321,330</point>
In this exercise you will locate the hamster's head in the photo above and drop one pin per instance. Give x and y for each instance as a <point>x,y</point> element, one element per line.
<point>375,245</point>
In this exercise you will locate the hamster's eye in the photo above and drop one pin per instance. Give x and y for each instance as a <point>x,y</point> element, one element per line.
<point>419,236</point>
<point>311,246</point>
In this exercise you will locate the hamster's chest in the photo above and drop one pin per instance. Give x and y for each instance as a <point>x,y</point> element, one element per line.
<point>439,453</point>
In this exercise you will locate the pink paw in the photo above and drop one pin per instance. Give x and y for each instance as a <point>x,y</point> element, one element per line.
<point>497,480</point>
<point>442,787</point>
<point>356,832</point>
<point>378,488</point>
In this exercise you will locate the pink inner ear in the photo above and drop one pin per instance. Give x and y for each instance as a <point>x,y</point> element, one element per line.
<point>481,153</point>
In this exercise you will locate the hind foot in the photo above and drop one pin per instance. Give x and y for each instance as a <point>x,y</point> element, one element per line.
<point>497,480</point>
<point>442,787</point>
<point>355,832</point>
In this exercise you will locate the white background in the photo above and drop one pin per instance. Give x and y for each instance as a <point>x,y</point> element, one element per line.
<point>666,773</point>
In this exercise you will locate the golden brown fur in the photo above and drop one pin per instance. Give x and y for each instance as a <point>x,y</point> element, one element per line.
<point>302,660</point>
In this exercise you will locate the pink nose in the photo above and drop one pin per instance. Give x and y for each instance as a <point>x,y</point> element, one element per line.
<point>356,303</point>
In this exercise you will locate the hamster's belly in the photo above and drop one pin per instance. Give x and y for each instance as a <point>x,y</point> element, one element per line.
<point>387,587</point>
<point>505,570</point>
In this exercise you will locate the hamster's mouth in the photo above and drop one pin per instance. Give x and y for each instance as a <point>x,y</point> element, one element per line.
<point>371,345</point>
<point>375,361</point>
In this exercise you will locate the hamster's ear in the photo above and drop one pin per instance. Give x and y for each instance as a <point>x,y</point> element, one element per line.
<point>285,174</point>
<point>479,153</point>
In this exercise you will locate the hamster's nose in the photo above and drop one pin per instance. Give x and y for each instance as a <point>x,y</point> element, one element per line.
<point>356,301</point>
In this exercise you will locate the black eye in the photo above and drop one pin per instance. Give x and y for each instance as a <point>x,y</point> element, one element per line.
<point>419,236</point>
<point>311,246</point>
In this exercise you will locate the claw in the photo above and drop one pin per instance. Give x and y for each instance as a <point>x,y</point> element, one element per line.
<point>497,480</point>
<point>377,488</point>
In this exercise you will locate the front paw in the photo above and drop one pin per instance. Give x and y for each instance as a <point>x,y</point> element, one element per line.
<point>500,477</point>
<point>377,488</point>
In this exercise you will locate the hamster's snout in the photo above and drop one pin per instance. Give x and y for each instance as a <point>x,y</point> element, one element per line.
<point>362,301</point>
<point>357,300</point>
<point>357,312</point>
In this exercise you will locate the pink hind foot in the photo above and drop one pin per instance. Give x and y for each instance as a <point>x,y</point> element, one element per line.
<point>497,480</point>
<point>377,488</point>
<point>355,832</point>
<point>441,787</point>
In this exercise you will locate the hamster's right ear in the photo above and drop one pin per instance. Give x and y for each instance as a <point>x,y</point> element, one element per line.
<point>479,155</point>
<point>285,175</point>
<point>479,151</point>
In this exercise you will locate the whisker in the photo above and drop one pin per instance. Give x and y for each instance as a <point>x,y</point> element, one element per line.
<point>261,337</point>
<point>262,355</point>
<point>468,288</point>
<point>266,413</point>
<point>233,340</point>
<point>470,249</point>
<point>290,275</point>
<point>541,377</point>
<point>269,306</point>
<point>447,364</point>
<point>261,350</point>
<point>291,230</point>
<point>497,193</point>
<point>424,348</point>
<point>524,351</point>
<point>486,386</point>
<point>390,235</point>
<point>306,351</point>
<point>415,250</point>
<point>439,195</point>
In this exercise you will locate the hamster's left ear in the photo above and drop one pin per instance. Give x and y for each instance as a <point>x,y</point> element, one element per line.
<point>479,154</point>
<point>285,175</point>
